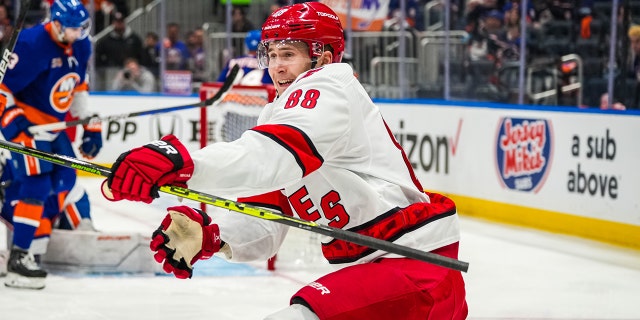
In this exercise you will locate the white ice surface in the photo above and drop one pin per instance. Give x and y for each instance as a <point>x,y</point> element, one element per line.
<point>514,273</point>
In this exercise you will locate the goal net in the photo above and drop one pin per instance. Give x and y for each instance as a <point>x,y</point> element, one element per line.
<point>236,113</point>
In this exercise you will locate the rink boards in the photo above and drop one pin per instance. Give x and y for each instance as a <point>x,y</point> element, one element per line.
<point>566,170</point>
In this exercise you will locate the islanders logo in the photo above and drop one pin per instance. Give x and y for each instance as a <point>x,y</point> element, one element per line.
<point>61,94</point>
<point>523,153</point>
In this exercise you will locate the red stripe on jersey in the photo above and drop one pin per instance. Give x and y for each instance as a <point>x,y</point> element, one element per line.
<point>404,157</point>
<point>296,142</point>
<point>273,200</point>
<point>390,226</point>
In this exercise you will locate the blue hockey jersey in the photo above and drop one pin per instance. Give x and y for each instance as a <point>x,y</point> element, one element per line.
<point>44,74</point>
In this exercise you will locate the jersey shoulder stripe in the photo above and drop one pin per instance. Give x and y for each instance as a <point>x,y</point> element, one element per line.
<point>295,141</point>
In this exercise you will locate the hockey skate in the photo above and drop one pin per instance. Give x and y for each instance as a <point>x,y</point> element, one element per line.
<point>23,271</point>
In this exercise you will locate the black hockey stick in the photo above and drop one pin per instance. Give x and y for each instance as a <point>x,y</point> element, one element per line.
<point>256,212</point>
<point>8,50</point>
<point>217,98</point>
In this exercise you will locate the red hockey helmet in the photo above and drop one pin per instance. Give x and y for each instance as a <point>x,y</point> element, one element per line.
<point>311,22</point>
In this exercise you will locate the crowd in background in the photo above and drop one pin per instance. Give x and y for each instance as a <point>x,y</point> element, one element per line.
<point>558,28</point>
<point>124,59</point>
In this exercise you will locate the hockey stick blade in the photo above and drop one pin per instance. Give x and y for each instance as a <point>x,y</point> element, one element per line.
<point>367,241</point>
<point>217,98</point>
<point>8,50</point>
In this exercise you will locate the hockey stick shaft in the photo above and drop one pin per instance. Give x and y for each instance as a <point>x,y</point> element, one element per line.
<point>8,50</point>
<point>367,241</point>
<point>217,98</point>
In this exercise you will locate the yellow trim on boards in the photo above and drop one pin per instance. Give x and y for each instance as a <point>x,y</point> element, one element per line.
<point>621,234</point>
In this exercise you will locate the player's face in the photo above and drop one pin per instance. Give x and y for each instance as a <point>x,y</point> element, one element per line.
<point>72,34</point>
<point>286,61</point>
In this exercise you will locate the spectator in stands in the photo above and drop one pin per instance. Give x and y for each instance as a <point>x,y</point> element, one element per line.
<point>134,77</point>
<point>634,42</point>
<point>150,56</point>
<point>252,74</point>
<point>492,22</point>
<point>176,51</point>
<point>197,60</point>
<point>484,44</point>
<point>119,44</point>
<point>239,20</point>
<point>476,9</point>
<point>239,23</point>
<point>508,39</point>
<point>105,12</point>
<point>5,18</point>
<point>511,11</point>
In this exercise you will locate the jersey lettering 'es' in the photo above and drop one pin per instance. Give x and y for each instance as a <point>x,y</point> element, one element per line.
<point>43,74</point>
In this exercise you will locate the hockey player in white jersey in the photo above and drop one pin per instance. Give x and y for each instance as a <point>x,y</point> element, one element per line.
<point>321,151</point>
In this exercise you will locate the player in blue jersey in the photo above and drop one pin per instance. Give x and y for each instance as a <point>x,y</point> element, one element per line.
<point>252,74</point>
<point>45,81</point>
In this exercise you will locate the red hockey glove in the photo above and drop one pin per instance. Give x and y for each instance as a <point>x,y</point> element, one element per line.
<point>184,237</point>
<point>138,174</point>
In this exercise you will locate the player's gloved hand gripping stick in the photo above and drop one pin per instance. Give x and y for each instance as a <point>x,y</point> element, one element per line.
<point>185,236</point>
<point>138,174</point>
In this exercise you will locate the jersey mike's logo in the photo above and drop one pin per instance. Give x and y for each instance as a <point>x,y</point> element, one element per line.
<point>523,153</point>
<point>62,92</point>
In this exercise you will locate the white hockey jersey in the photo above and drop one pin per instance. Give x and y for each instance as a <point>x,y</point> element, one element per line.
<point>325,149</point>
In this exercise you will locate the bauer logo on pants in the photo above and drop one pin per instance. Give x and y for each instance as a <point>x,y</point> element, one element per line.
<point>523,153</point>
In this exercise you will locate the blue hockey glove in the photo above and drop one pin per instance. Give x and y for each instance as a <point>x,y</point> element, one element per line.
<point>14,123</point>
<point>91,140</point>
